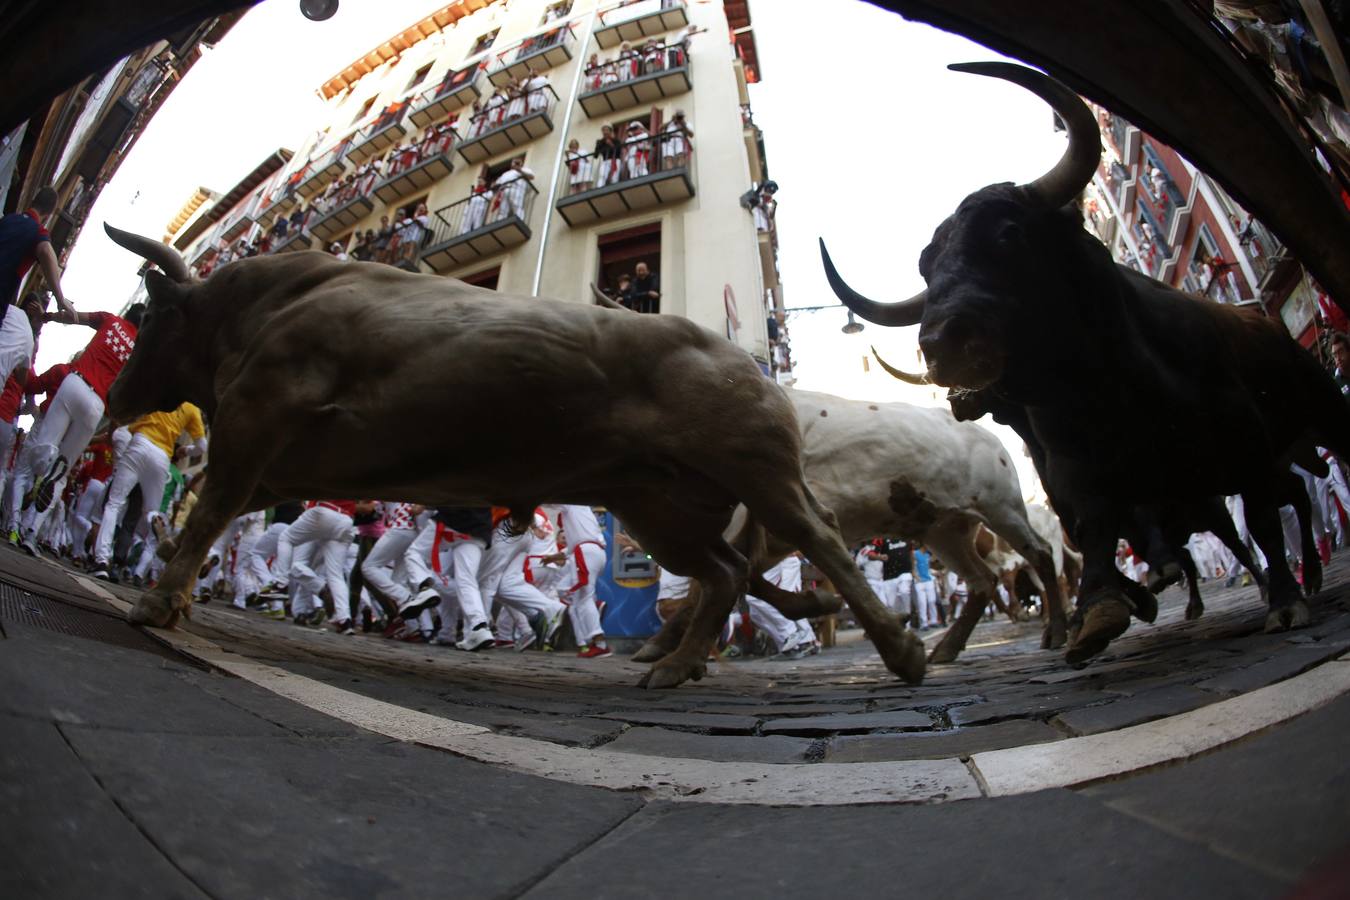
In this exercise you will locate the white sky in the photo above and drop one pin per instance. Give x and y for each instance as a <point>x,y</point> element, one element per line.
<point>871,140</point>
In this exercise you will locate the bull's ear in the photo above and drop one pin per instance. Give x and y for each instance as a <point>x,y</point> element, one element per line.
<point>163,290</point>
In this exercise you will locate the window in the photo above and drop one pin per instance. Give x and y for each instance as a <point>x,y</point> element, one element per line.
<point>365,109</point>
<point>620,253</point>
<point>491,173</point>
<point>555,11</point>
<point>418,77</point>
<point>484,279</point>
<point>407,209</point>
<point>1200,270</point>
<point>484,42</point>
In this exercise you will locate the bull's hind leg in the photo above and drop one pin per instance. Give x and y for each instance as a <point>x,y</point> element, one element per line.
<point>672,630</point>
<point>790,512</point>
<point>1017,531</point>
<point>954,544</point>
<point>1287,609</point>
<point>1195,606</point>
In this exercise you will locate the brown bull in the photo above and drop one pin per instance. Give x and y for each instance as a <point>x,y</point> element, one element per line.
<point>330,379</point>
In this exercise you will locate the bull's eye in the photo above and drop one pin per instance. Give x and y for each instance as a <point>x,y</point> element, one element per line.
<point>1009,234</point>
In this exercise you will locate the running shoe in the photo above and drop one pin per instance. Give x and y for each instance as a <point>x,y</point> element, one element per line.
<point>480,638</point>
<point>344,627</point>
<point>413,606</point>
<point>595,651</point>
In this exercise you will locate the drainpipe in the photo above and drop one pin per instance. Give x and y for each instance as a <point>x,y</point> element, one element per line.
<point>585,44</point>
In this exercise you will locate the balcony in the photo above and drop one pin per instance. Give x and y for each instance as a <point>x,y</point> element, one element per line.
<point>649,172</point>
<point>320,170</point>
<point>348,209</point>
<point>768,256</point>
<point>634,21</point>
<point>296,240</point>
<point>418,174</point>
<point>534,54</point>
<point>279,203</point>
<point>607,90</point>
<point>457,90</point>
<point>380,135</point>
<point>491,133</point>
<point>480,226</point>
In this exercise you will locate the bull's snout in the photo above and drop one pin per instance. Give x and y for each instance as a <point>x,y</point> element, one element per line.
<point>962,352</point>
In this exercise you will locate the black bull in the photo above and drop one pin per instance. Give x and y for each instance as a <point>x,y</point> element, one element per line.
<point>1135,393</point>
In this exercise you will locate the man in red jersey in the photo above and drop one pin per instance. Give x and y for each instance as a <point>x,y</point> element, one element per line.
<point>65,430</point>
<point>91,484</point>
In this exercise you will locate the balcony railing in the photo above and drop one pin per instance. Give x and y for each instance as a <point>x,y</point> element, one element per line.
<point>638,19</point>
<point>342,210</point>
<point>645,77</point>
<point>418,167</point>
<point>296,240</point>
<point>279,202</point>
<point>644,172</point>
<point>320,170</point>
<point>504,126</point>
<point>534,54</point>
<point>480,225</point>
<point>457,90</point>
<point>379,135</point>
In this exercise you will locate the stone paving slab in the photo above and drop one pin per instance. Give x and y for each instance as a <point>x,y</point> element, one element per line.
<point>957,850</point>
<point>906,720</point>
<point>960,742</point>
<point>718,748</point>
<point>1142,707</point>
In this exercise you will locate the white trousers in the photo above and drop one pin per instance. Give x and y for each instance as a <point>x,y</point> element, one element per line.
<point>62,434</point>
<point>459,562</point>
<point>88,510</point>
<point>254,573</point>
<point>303,551</point>
<point>585,562</point>
<point>144,465</point>
<point>383,567</point>
<point>8,431</point>
<point>925,595</point>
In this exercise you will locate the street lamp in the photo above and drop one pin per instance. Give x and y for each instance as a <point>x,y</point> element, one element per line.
<point>852,326</point>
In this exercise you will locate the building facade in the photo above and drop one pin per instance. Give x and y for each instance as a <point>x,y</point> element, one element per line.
<point>1159,214</point>
<point>472,144</point>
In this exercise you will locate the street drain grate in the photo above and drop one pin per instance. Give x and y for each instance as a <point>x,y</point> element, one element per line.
<point>25,608</point>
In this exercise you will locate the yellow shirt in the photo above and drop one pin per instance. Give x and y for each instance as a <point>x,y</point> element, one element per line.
<point>163,428</point>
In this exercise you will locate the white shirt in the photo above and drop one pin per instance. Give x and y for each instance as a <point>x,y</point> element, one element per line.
<point>872,568</point>
<point>673,587</point>
<point>511,175</point>
<point>580,525</point>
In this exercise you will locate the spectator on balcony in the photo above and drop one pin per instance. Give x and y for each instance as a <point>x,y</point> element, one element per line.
<point>364,249</point>
<point>475,121</point>
<point>511,190</point>
<point>594,71</point>
<point>630,62</point>
<point>515,106</point>
<point>380,246</point>
<point>608,152</point>
<point>675,144</point>
<point>335,249</point>
<point>653,58</point>
<point>764,206</point>
<point>609,73</point>
<point>536,90</point>
<point>475,210</point>
<point>367,175</point>
<point>677,50</point>
<point>637,151</point>
<point>492,111</point>
<point>646,290</point>
<point>415,228</point>
<point>279,228</point>
<point>580,168</point>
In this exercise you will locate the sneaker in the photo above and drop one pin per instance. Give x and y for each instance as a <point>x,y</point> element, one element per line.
<point>278,613</point>
<point>393,629</point>
<point>413,606</point>
<point>27,545</point>
<point>302,619</point>
<point>595,651</point>
<point>789,654</point>
<point>318,617</point>
<point>526,640</point>
<point>344,627</point>
<point>100,571</point>
<point>498,642</point>
<point>545,627</point>
<point>480,638</point>
<point>443,641</point>
<point>379,625</point>
<point>411,636</point>
<point>13,537</point>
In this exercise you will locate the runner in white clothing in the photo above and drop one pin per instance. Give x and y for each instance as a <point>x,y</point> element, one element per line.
<point>585,558</point>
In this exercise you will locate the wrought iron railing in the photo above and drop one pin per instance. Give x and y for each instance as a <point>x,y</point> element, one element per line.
<point>436,140</point>
<point>634,9</point>
<point>494,117</point>
<point>391,116</point>
<point>647,59</point>
<point>453,81</point>
<point>555,37</point>
<point>479,210</point>
<point>638,157</point>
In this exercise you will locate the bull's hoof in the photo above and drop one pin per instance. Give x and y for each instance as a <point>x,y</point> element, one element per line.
<point>946,651</point>
<point>1054,635</point>
<point>1295,615</point>
<point>900,649</point>
<point>157,609</point>
<point>1102,623</point>
<point>1194,611</point>
<point>649,652</point>
<point>674,669</point>
<point>166,549</point>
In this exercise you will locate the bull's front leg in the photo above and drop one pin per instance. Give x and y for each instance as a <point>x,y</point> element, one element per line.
<point>1104,610</point>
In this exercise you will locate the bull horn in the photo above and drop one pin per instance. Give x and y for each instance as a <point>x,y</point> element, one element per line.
<point>601,299</point>
<point>906,312</point>
<point>161,255</point>
<point>899,373</point>
<point>1075,168</point>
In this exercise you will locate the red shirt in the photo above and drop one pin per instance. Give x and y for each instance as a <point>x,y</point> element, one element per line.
<point>106,352</point>
<point>100,466</point>
<point>49,382</point>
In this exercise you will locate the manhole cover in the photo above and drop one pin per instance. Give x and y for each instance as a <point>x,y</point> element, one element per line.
<point>26,608</point>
